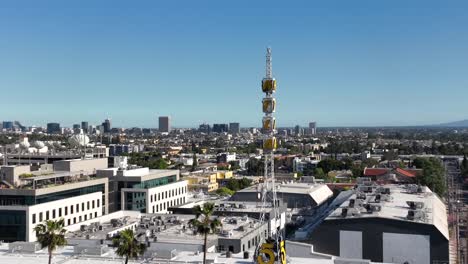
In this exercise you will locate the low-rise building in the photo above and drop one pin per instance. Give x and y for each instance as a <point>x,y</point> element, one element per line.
<point>391,223</point>
<point>294,195</point>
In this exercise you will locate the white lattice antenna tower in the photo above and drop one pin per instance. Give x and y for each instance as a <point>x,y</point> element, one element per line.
<point>267,190</point>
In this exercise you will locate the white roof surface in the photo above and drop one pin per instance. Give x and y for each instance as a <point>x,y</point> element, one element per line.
<point>397,209</point>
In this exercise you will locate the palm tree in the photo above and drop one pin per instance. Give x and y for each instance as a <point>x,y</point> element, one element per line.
<point>204,224</point>
<point>127,245</point>
<point>51,234</point>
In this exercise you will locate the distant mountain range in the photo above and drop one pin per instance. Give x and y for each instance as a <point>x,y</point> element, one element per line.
<point>461,123</point>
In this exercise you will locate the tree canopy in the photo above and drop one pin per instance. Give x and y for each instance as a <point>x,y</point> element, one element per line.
<point>433,175</point>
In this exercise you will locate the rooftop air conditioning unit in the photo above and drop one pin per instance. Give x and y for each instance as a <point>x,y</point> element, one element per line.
<point>415,205</point>
<point>344,212</point>
<point>415,215</point>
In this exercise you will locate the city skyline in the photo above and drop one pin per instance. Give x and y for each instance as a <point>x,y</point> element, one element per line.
<point>356,64</point>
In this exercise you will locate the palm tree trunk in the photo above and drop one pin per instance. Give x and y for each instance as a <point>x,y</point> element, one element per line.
<point>126,259</point>
<point>50,256</point>
<point>205,249</point>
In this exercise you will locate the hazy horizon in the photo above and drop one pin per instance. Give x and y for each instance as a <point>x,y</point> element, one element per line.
<point>359,63</point>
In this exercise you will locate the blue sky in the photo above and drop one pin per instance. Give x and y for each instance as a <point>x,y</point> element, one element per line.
<point>340,63</point>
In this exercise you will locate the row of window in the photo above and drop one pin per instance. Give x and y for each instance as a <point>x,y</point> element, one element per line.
<point>163,206</point>
<point>168,194</point>
<point>81,218</point>
<point>54,213</point>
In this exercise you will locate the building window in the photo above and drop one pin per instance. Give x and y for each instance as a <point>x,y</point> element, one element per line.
<point>98,203</point>
<point>60,212</point>
<point>86,217</point>
<point>90,215</point>
<point>34,218</point>
<point>159,196</point>
<point>95,214</point>
<point>47,215</point>
<point>87,205</point>
<point>74,220</point>
<point>93,204</point>
<point>82,207</point>
<point>66,210</point>
<point>151,197</point>
<point>153,209</point>
<point>79,218</point>
<point>221,248</point>
<point>53,213</point>
<point>68,222</point>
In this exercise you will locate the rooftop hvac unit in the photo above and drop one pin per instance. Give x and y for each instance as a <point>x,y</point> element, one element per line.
<point>344,212</point>
<point>377,198</point>
<point>361,196</point>
<point>415,215</point>
<point>373,208</point>
<point>415,205</point>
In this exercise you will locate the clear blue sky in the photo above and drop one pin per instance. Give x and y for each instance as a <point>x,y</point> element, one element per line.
<point>339,63</point>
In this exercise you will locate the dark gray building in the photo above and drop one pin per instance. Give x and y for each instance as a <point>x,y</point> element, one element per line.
<point>107,126</point>
<point>85,126</point>
<point>53,128</point>
<point>394,226</point>
<point>220,128</point>
<point>234,128</point>
<point>164,124</point>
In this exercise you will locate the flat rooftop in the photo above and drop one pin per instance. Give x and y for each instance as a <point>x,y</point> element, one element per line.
<point>170,228</point>
<point>394,206</point>
<point>318,192</point>
<point>66,255</point>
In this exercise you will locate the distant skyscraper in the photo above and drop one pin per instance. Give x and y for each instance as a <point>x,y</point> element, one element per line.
<point>298,130</point>
<point>313,128</point>
<point>85,126</point>
<point>7,125</point>
<point>164,124</point>
<point>220,128</point>
<point>234,128</point>
<point>107,125</point>
<point>53,128</point>
<point>204,128</point>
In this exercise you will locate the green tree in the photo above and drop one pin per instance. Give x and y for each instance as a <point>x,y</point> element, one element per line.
<point>195,162</point>
<point>244,183</point>
<point>51,235</point>
<point>127,245</point>
<point>233,184</point>
<point>433,174</point>
<point>319,173</point>
<point>204,223</point>
<point>224,191</point>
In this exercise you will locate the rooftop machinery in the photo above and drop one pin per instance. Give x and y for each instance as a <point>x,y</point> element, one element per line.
<point>271,248</point>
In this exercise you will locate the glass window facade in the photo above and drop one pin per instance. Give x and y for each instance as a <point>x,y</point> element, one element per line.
<point>135,201</point>
<point>12,225</point>
<point>153,183</point>
<point>31,200</point>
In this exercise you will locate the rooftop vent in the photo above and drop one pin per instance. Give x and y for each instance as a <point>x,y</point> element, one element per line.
<point>415,205</point>
<point>415,215</point>
<point>344,212</point>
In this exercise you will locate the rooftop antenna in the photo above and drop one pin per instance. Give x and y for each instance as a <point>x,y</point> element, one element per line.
<point>268,191</point>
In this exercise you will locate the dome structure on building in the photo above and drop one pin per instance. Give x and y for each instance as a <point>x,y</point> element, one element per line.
<point>39,144</point>
<point>78,140</point>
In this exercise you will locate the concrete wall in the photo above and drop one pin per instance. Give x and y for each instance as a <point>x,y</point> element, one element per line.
<point>90,165</point>
<point>11,173</point>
